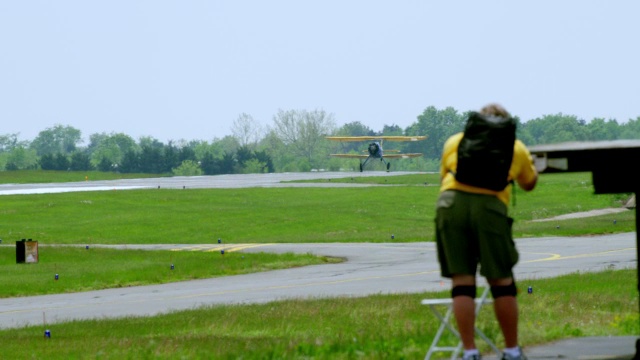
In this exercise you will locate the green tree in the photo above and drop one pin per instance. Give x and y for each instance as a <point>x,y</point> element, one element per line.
<point>59,139</point>
<point>80,161</point>
<point>557,128</point>
<point>187,168</point>
<point>266,160</point>
<point>209,165</point>
<point>106,165</point>
<point>202,148</point>
<point>47,162</point>
<point>227,164</point>
<point>227,144</point>
<point>567,128</point>
<point>630,129</point>
<point>109,148</point>
<point>522,134</point>
<point>20,158</point>
<point>244,154</point>
<point>61,162</point>
<point>599,129</point>
<point>246,130</point>
<point>151,158</point>
<point>303,133</point>
<point>277,150</point>
<point>254,166</point>
<point>355,128</point>
<point>9,142</point>
<point>392,130</point>
<point>130,162</point>
<point>171,158</point>
<point>187,152</point>
<point>437,125</point>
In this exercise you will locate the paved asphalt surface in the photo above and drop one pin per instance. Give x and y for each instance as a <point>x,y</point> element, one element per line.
<point>369,269</point>
<point>193,182</point>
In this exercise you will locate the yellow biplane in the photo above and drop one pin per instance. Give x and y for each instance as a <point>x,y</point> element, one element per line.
<point>374,150</point>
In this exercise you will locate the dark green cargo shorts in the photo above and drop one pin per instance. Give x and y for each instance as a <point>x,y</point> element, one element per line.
<point>474,229</point>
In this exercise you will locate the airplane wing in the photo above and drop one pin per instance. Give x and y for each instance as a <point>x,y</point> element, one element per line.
<point>402,156</point>
<point>370,138</point>
<point>350,138</point>
<point>403,138</point>
<point>390,156</point>
<point>350,156</point>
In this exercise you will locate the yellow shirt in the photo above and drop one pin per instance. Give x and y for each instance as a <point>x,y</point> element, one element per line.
<point>522,169</point>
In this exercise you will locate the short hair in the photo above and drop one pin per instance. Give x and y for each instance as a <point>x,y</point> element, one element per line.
<point>495,110</point>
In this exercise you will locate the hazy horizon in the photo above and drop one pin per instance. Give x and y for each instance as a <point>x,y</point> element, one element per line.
<point>187,70</point>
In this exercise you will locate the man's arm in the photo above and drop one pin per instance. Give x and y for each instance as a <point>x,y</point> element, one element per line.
<point>528,175</point>
<point>528,186</point>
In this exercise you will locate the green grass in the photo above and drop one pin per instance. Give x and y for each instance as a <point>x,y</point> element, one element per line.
<point>81,269</point>
<point>374,327</point>
<point>274,215</point>
<point>50,176</point>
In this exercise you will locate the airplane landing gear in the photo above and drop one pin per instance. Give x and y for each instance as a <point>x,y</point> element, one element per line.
<point>388,166</point>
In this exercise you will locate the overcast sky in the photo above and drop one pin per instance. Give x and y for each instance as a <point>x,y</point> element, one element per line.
<point>187,69</point>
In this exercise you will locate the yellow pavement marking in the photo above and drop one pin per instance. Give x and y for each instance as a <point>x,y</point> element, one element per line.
<point>553,257</point>
<point>218,247</point>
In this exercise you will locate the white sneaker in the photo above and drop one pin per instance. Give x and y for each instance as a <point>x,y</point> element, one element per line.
<point>472,357</point>
<point>506,356</point>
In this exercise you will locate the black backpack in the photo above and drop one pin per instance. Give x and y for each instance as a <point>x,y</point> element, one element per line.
<point>485,151</point>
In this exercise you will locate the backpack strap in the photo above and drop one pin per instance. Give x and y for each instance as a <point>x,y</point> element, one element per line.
<point>513,192</point>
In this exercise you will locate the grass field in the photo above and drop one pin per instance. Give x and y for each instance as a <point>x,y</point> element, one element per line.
<point>100,268</point>
<point>376,327</point>
<point>274,215</point>
<point>373,327</point>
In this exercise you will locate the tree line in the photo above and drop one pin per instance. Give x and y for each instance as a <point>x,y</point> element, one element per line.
<point>295,141</point>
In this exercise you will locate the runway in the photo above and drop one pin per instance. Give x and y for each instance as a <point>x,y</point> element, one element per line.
<point>231,181</point>
<point>369,269</point>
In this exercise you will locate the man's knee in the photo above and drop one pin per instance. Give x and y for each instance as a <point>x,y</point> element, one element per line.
<point>505,290</point>
<point>464,290</point>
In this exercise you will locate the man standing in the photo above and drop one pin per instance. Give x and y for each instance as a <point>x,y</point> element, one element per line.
<point>473,226</point>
